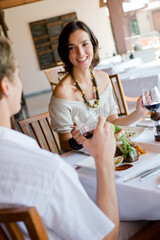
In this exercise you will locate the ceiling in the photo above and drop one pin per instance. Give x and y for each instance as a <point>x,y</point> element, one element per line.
<point>130,5</point>
<point>13,3</point>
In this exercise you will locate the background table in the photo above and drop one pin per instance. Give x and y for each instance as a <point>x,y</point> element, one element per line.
<point>135,76</point>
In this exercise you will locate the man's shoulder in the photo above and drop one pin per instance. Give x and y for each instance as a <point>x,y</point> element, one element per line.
<point>16,137</point>
<point>19,144</point>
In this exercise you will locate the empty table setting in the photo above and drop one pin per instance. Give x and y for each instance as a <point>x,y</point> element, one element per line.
<point>142,70</point>
<point>138,187</point>
<point>134,75</point>
<point>117,65</point>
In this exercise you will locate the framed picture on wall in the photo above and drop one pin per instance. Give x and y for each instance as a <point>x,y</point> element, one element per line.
<point>45,35</point>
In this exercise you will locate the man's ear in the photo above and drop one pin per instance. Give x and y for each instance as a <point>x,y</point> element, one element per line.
<point>5,86</point>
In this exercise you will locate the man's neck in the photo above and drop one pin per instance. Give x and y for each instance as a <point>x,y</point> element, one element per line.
<point>4,115</point>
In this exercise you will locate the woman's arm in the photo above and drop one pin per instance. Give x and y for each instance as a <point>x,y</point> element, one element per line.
<point>140,112</point>
<point>64,141</point>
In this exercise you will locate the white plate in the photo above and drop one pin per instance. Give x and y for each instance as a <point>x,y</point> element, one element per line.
<point>152,153</point>
<point>133,132</point>
<point>88,163</point>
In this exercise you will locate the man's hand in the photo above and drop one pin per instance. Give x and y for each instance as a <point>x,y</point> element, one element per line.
<point>102,143</point>
<point>102,147</point>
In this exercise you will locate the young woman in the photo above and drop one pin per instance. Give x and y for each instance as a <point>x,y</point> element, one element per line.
<point>83,87</point>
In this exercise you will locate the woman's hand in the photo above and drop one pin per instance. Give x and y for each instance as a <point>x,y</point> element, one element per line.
<point>76,134</point>
<point>140,108</point>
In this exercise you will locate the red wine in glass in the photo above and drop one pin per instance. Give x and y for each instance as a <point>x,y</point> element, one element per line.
<point>151,99</point>
<point>88,125</point>
<point>153,106</point>
<point>88,134</point>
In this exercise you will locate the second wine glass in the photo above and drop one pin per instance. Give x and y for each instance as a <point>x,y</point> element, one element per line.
<point>151,98</point>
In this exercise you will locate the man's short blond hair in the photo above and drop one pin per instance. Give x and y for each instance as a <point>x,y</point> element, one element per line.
<point>7,60</point>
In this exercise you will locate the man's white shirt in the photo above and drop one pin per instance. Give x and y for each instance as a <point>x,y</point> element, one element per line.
<point>34,177</point>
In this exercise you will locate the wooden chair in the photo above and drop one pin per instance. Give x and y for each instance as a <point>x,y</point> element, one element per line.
<point>121,98</point>
<point>151,231</point>
<point>39,127</point>
<point>9,229</point>
<point>54,75</point>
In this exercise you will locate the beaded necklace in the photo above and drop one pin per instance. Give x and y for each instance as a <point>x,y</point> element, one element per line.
<point>96,101</point>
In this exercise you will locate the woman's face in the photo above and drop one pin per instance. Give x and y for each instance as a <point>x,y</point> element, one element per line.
<point>80,49</point>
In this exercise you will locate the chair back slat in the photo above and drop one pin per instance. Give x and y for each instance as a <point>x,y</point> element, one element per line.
<point>54,75</point>
<point>116,96</point>
<point>29,216</point>
<point>39,127</point>
<point>14,231</point>
<point>39,135</point>
<point>54,135</point>
<point>120,96</point>
<point>48,134</point>
<point>3,235</point>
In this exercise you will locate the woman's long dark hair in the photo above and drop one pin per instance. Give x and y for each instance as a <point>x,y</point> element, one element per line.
<point>63,49</point>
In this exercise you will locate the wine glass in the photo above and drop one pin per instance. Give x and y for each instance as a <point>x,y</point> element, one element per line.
<point>88,124</point>
<point>151,98</point>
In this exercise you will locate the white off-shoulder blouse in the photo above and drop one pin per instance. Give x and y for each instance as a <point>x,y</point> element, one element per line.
<point>62,111</point>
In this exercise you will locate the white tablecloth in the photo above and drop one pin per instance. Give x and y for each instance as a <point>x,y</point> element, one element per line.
<point>135,76</point>
<point>145,75</point>
<point>137,199</point>
<point>142,70</point>
<point>116,65</point>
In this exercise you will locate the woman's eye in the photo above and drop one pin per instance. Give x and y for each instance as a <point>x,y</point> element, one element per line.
<point>85,44</point>
<point>71,48</point>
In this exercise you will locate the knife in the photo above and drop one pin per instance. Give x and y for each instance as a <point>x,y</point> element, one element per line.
<point>144,126</point>
<point>137,175</point>
<point>150,173</point>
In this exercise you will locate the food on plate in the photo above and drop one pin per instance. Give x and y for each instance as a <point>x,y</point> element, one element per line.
<point>118,132</point>
<point>118,161</point>
<point>124,131</point>
<point>140,150</point>
<point>124,166</point>
<point>127,151</point>
<point>130,133</point>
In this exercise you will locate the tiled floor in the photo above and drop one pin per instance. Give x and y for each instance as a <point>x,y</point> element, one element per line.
<point>38,104</point>
<point>34,105</point>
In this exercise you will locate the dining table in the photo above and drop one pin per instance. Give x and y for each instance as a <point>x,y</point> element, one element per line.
<point>118,65</point>
<point>139,199</point>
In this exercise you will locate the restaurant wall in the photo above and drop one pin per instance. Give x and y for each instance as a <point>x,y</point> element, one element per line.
<point>17,20</point>
<point>144,22</point>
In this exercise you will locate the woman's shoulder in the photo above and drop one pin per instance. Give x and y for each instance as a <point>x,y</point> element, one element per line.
<point>101,75</point>
<point>63,89</point>
<point>102,78</point>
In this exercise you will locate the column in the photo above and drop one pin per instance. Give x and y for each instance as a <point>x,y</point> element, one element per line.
<point>116,17</point>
